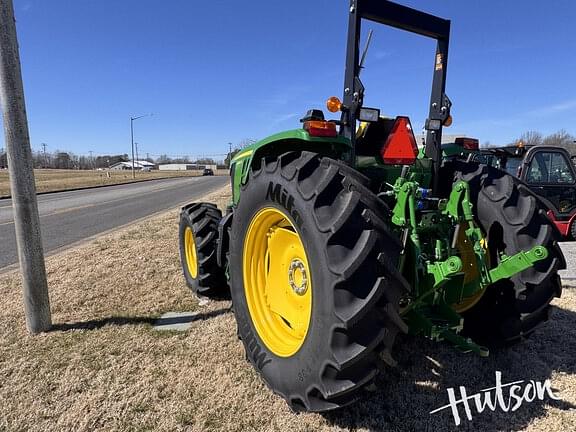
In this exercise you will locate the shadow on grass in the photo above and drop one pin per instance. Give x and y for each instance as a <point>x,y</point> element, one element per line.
<point>407,394</point>
<point>128,321</point>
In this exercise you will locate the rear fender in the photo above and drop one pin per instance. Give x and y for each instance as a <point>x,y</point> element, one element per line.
<point>298,139</point>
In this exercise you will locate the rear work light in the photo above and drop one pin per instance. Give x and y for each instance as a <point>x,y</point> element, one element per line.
<point>400,147</point>
<point>320,128</point>
<point>467,143</point>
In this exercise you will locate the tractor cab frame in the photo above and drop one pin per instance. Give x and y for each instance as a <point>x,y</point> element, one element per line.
<point>408,19</point>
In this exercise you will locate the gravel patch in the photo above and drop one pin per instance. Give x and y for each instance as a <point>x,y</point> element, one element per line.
<point>569,275</point>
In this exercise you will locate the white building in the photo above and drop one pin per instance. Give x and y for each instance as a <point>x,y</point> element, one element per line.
<point>446,138</point>
<point>138,165</point>
<point>185,167</point>
<point>176,167</point>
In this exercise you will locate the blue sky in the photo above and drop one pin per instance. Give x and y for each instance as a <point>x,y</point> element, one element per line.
<point>220,71</point>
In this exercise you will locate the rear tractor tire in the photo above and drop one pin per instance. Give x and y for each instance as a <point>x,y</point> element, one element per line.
<point>314,280</point>
<point>198,235</point>
<point>513,220</point>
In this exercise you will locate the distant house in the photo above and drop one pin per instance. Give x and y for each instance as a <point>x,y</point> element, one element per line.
<point>138,165</point>
<point>121,166</point>
<point>446,138</point>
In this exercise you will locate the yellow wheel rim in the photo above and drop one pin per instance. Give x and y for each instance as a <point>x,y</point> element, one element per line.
<point>190,249</point>
<point>470,268</point>
<point>277,281</point>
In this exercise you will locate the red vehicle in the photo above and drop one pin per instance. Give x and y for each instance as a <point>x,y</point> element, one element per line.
<point>548,171</point>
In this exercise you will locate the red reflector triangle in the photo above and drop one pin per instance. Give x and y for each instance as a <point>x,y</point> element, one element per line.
<point>400,147</point>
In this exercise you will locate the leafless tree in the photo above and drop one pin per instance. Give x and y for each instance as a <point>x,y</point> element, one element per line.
<point>246,142</point>
<point>531,138</point>
<point>557,139</point>
<point>560,139</point>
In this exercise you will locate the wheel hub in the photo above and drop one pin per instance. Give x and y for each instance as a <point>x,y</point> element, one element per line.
<point>190,252</point>
<point>297,277</point>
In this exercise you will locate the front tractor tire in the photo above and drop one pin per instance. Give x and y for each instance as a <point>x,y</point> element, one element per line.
<point>314,280</point>
<point>198,238</point>
<point>513,220</point>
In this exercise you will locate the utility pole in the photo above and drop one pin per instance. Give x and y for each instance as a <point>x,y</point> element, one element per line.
<point>25,206</point>
<point>44,145</point>
<point>91,159</point>
<point>132,139</point>
<point>137,159</point>
<point>230,155</point>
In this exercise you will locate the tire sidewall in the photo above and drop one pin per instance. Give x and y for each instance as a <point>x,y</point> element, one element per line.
<point>285,372</point>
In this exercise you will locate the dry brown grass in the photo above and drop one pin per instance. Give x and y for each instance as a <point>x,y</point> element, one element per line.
<point>104,368</point>
<point>51,180</point>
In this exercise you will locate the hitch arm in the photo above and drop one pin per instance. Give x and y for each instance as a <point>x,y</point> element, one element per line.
<point>511,265</point>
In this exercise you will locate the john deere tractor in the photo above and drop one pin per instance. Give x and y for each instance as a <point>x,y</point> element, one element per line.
<point>342,234</point>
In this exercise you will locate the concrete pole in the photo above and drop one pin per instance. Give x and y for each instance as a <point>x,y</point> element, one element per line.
<point>132,140</point>
<point>23,190</point>
<point>230,155</point>
<point>45,159</point>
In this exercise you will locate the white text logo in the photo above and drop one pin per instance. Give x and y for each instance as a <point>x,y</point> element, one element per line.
<point>494,397</point>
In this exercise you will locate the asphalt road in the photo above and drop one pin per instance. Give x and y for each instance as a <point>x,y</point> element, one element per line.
<point>69,217</point>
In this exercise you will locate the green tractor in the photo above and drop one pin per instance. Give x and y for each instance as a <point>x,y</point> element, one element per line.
<point>341,235</point>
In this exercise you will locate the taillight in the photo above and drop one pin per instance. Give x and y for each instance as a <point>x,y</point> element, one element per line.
<point>400,147</point>
<point>320,128</point>
<point>467,143</point>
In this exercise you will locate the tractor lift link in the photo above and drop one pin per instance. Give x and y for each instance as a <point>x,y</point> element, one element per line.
<point>436,320</point>
<point>439,282</point>
<point>439,321</point>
